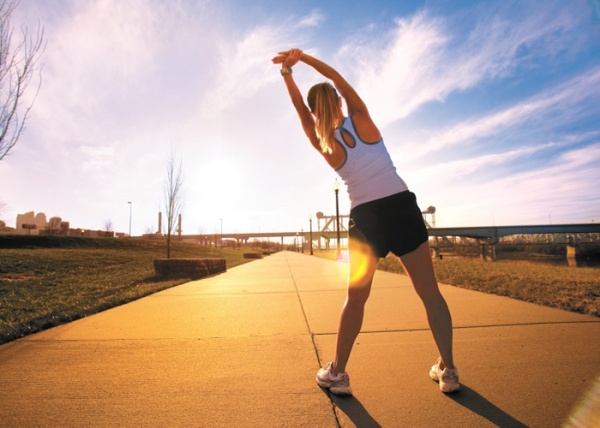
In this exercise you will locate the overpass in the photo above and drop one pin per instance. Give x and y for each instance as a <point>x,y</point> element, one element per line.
<point>476,232</point>
<point>244,237</point>
<point>495,232</point>
<point>487,236</point>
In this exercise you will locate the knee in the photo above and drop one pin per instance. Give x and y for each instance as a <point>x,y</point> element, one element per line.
<point>431,296</point>
<point>358,294</point>
<point>434,302</point>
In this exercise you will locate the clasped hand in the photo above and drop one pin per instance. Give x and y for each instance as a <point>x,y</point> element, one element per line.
<point>288,58</point>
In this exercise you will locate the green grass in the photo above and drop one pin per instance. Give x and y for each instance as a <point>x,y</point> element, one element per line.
<point>48,281</point>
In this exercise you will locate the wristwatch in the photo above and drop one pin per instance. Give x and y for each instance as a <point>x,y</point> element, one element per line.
<point>286,70</point>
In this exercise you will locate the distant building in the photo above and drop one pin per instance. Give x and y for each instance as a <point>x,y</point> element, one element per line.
<point>31,221</point>
<point>36,224</point>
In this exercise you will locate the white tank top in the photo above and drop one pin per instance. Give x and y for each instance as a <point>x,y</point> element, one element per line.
<point>368,170</point>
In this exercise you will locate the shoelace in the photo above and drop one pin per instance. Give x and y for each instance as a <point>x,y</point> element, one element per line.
<point>343,378</point>
<point>450,375</point>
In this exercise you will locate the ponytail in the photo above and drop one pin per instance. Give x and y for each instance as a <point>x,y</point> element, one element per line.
<point>323,102</point>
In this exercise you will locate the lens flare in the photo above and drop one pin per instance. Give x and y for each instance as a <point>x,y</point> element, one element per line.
<point>361,263</point>
<point>587,411</point>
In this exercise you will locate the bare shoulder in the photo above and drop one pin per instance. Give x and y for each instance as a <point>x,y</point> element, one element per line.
<point>365,127</point>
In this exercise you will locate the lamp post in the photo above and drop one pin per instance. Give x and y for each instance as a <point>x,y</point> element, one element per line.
<point>221,220</point>
<point>130,208</point>
<point>310,234</point>
<point>336,188</point>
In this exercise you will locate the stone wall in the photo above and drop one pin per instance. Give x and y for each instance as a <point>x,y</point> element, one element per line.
<point>253,255</point>
<point>188,268</point>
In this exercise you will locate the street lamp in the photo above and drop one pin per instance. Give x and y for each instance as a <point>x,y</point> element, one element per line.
<point>221,220</point>
<point>130,207</point>
<point>336,188</point>
<point>310,242</point>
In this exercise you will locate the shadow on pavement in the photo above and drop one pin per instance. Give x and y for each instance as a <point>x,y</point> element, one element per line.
<point>476,403</point>
<point>355,411</point>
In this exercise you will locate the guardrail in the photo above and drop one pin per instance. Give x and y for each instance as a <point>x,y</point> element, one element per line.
<point>477,232</point>
<point>495,232</point>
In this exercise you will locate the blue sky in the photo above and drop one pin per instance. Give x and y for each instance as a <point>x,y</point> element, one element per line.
<point>490,110</point>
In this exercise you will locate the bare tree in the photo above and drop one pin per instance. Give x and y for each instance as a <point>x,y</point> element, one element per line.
<point>18,62</point>
<point>108,227</point>
<point>173,196</point>
<point>53,226</point>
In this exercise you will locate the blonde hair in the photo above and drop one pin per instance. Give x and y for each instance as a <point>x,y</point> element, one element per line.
<point>323,103</point>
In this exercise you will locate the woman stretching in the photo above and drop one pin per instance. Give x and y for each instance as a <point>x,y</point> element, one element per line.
<point>384,215</point>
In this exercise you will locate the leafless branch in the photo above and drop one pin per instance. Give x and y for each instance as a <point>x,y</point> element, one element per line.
<point>18,63</point>
<point>173,196</point>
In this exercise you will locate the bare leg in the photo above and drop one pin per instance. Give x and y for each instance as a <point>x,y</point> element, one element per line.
<point>362,269</point>
<point>419,267</point>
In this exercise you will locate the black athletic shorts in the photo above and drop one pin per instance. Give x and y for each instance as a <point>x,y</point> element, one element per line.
<point>393,223</point>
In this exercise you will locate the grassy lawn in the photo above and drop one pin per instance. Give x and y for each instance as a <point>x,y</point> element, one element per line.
<point>540,282</point>
<point>56,280</point>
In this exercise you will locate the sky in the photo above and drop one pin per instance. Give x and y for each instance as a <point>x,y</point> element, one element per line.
<point>489,109</point>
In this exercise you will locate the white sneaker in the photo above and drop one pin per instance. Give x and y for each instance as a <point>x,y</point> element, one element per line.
<point>447,378</point>
<point>339,385</point>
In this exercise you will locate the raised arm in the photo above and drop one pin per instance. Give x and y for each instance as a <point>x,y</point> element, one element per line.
<point>287,61</point>
<point>356,106</point>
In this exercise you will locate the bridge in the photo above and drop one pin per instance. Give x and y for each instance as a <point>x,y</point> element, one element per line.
<point>495,232</point>
<point>487,236</point>
<point>490,233</point>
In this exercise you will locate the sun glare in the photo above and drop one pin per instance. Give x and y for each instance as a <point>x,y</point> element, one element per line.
<point>361,263</point>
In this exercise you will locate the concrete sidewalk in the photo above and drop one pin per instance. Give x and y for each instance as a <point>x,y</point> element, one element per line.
<point>242,349</point>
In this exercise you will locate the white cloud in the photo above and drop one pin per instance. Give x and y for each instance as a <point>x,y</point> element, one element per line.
<point>562,102</point>
<point>125,81</point>
<point>566,190</point>
<point>456,170</point>
<point>428,57</point>
<point>313,19</point>
<point>243,67</point>
<point>97,158</point>
<point>243,64</point>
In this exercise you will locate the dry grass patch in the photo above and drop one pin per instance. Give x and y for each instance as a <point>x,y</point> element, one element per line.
<point>548,284</point>
<point>41,287</point>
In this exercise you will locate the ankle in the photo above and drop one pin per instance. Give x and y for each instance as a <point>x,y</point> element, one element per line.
<point>334,371</point>
<point>443,365</point>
